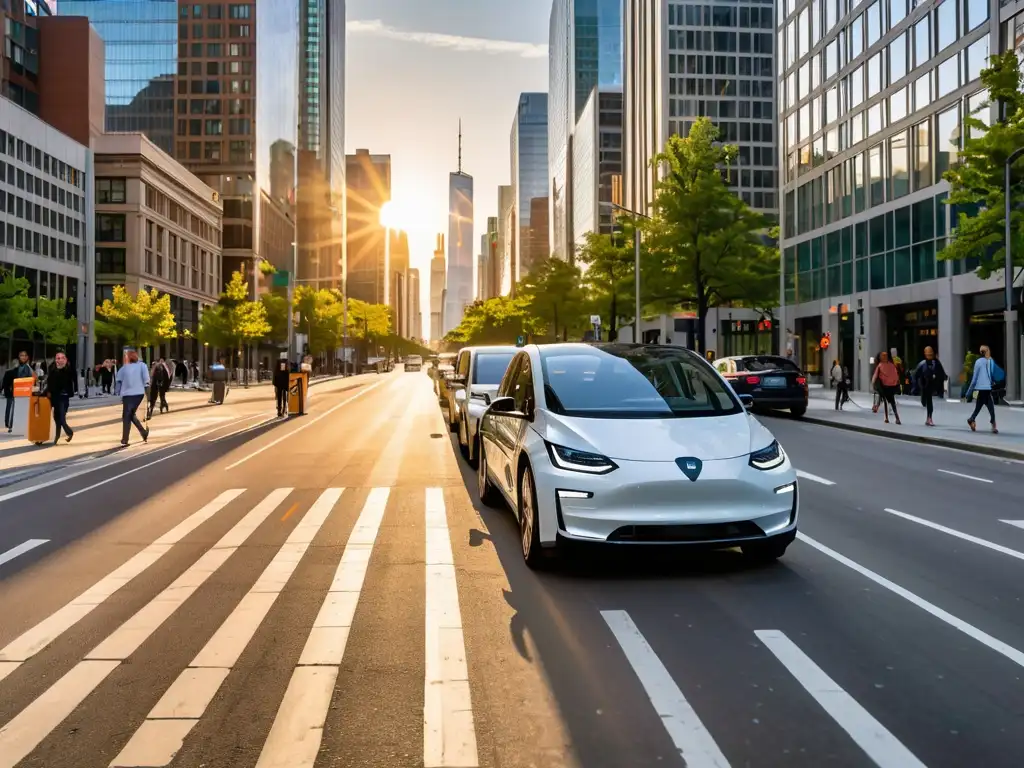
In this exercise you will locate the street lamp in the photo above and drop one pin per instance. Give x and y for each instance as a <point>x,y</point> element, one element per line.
<point>636,266</point>
<point>1012,337</point>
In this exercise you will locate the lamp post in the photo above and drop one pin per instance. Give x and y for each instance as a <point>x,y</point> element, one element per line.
<point>636,266</point>
<point>1012,336</point>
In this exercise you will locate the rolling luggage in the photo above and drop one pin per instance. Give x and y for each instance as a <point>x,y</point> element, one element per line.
<point>40,417</point>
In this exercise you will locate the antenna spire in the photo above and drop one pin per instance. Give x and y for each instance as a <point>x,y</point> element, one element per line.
<point>460,145</point>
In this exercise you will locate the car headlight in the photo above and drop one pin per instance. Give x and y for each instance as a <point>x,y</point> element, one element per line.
<point>768,458</point>
<point>580,461</point>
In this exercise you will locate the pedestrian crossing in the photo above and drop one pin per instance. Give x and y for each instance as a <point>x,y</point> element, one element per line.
<point>179,704</point>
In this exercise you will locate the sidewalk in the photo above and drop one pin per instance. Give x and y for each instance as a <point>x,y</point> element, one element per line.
<point>950,419</point>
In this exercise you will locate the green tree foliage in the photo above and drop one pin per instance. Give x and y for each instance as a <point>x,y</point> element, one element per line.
<point>277,316</point>
<point>496,321</point>
<point>368,320</point>
<point>235,320</point>
<point>977,181</point>
<point>15,304</point>
<point>608,280</point>
<point>52,324</point>
<point>554,297</point>
<point>141,320</point>
<point>704,247</point>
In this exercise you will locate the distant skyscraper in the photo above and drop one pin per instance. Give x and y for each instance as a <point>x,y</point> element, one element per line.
<point>415,314</point>
<point>460,285</point>
<point>398,295</point>
<point>369,186</point>
<point>506,240</point>
<point>529,149</point>
<point>584,51</point>
<point>493,284</point>
<point>437,291</point>
<point>597,162</point>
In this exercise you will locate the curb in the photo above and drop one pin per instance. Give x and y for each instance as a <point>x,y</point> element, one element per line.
<point>957,445</point>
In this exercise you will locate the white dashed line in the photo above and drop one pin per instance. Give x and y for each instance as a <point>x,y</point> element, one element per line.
<point>813,478</point>
<point>959,534</point>
<point>966,477</point>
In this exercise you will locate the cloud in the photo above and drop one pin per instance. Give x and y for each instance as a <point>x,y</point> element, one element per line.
<point>378,28</point>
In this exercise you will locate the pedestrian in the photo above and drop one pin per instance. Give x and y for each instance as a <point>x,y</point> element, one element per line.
<point>929,380</point>
<point>61,386</point>
<point>886,380</point>
<point>281,387</point>
<point>20,370</point>
<point>107,376</point>
<point>839,381</point>
<point>181,372</point>
<point>159,383</point>
<point>132,380</point>
<point>986,374</point>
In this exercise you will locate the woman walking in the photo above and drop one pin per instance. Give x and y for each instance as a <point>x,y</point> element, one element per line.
<point>61,386</point>
<point>886,379</point>
<point>985,375</point>
<point>132,380</point>
<point>839,382</point>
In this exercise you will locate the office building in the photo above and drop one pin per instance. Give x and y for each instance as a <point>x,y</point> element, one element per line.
<point>47,219</point>
<point>398,290</point>
<point>157,226</point>
<point>529,149</point>
<point>482,268</point>
<point>71,77</point>
<point>368,178</point>
<point>492,280</point>
<point>415,313</point>
<point>507,230</point>
<point>585,50</point>
<point>597,163</point>
<point>873,112</point>
<point>19,60</point>
<point>681,64</point>
<point>438,275</point>
<point>459,285</point>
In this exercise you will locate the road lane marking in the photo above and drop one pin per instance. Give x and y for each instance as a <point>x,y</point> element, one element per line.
<point>307,424</point>
<point>966,477</point>
<point>294,739</point>
<point>449,734</point>
<point>123,474</point>
<point>867,733</point>
<point>1014,523</point>
<point>184,703</point>
<point>693,741</point>
<point>34,723</point>
<point>813,478</point>
<point>959,534</point>
<point>21,549</point>
<point>1004,649</point>
<point>290,512</point>
<point>29,643</point>
<point>250,428</point>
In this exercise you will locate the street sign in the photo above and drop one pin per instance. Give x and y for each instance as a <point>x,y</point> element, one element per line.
<point>520,341</point>
<point>280,279</point>
<point>595,319</point>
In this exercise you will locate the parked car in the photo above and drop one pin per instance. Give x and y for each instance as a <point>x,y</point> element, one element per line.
<point>478,372</point>
<point>775,383</point>
<point>413,363</point>
<point>443,372</point>
<point>632,444</point>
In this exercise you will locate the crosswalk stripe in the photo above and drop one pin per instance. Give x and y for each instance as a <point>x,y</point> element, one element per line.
<point>188,697</point>
<point>870,735</point>
<point>32,641</point>
<point>294,739</point>
<point>449,735</point>
<point>30,726</point>
<point>695,744</point>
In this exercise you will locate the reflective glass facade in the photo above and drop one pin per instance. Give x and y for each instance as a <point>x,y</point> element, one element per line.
<point>529,144</point>
<point>461,288</point>
<point>141,44</point>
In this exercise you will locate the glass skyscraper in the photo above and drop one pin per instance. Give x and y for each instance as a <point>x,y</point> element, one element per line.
<point>584,52</point>
<point>529,145</point>
<point>141,42</point>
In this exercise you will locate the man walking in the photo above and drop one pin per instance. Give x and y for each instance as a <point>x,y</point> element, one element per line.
<point>930,378</point>
<point>61,386</point>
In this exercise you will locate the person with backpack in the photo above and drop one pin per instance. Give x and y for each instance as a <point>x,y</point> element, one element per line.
<point>987,377</point>
<point>929,380</point>
<point>160,382</point>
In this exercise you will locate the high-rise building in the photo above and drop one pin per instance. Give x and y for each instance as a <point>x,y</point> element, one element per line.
<point>493,279</point>
<point>873,113</point>
<point>398,293</point>
<point>584,52</point>
<point>438,275</point>
<point>368,179</point>
<point>529,150</point>
<point>415,313</point>
<point>460,287</point>
<point>482,268</point>
<point>504,273</point>
<point>20,60</point>
<point>597,162</point>
<point>682,63</point>
<point>71,76</point>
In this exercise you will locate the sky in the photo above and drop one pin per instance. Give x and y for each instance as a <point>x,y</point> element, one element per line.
<point>413,69</point>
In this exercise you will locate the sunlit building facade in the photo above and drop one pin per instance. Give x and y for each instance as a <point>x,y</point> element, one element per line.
<point>529,150</point>
<point>507,231</point>
<point>460,286</point>
<point>368,178</point>
<point>597,162</point>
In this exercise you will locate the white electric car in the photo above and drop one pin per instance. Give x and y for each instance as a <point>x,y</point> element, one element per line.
<point>637,444</point>
<point>478,372</point>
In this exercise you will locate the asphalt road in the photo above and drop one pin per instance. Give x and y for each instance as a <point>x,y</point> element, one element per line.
<point>326,591</point>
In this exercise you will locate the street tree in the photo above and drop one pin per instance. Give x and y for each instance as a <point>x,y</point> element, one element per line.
<point>554,297</point>
<point>704,246</point>
<point>277,316</point>
<point>141,320</point>
<point>15,308</point>
<point>608,279</point>
<point>977,181</point>
<point>235,321</point>
<point>370,323</point>
<point>52,324</point>
<point>498,320</point>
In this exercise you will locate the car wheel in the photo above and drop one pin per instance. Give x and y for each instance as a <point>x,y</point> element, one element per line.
<point>764,552</point>
<point>463,444</point>
<point>488,494</point>
<point>529,525</point>
<point>798,412</point>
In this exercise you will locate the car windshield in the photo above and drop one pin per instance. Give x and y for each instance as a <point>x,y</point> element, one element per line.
<point>768,363</point>
<point>625,382</point>
<point>491,366</point>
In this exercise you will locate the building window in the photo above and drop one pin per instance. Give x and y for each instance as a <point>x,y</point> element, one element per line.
<point>949,75</point>
<point>110,228</point>
<point>947,139</point>
<point>110,260</point>
<point>239,11</point>
<point>876,172</point>
<point>977,59</point>
<point>945,24</point>
<point>898,164</point>
<point>110,190</point>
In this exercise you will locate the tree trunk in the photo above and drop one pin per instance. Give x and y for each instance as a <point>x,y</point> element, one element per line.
<point>613,332</point>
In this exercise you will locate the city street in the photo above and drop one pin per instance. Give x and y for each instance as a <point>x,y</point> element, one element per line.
<point>327,591</point>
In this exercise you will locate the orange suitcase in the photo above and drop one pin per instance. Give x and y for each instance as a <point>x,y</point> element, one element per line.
<point>39,419</point>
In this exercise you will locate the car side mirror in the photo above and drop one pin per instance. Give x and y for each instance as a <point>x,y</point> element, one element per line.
<point>504,405</point>
<point>747,401</point>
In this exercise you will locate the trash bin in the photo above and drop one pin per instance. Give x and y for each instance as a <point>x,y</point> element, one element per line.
<point>39,417</point>
<point>219,377</point>
<point>298,387</point>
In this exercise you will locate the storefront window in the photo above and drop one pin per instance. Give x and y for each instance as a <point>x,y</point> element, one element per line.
<point>877,272</point>
<point>923,215</point>
<point>861,272</point>
<point>876,236</point>
<point>901,227</point>
<point>924,262</point>
<point>901,271</point>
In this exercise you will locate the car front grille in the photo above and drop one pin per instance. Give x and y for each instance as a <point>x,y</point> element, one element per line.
<point>686,533</point>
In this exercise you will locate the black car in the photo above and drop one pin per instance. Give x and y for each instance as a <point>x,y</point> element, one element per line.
<point>774,382</point>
